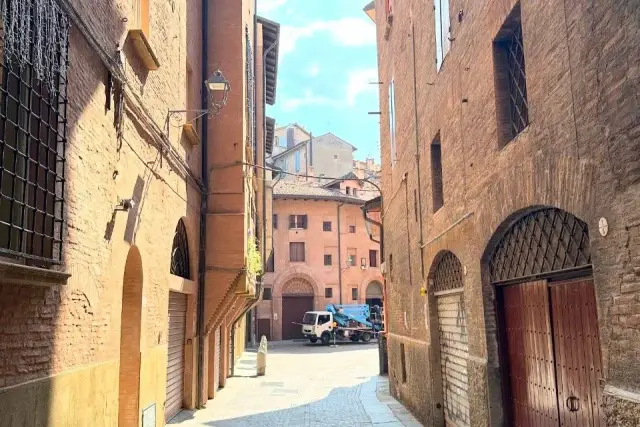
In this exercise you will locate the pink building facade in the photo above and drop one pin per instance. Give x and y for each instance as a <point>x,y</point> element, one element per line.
<point>322,255</point>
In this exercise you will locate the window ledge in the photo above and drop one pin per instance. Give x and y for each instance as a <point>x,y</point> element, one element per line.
<point>143,49</point>
<point>18,274</point>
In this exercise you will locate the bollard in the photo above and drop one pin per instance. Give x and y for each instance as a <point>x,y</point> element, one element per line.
<point>261,359</point>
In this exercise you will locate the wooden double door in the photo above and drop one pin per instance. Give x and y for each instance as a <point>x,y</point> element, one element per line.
<point>551,347</point>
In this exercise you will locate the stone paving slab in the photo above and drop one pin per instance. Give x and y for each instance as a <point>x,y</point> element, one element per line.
<point>305,386</point>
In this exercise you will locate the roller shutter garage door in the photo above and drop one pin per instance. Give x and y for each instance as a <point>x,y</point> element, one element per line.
<point>175,354</point>
<point>454,352</point>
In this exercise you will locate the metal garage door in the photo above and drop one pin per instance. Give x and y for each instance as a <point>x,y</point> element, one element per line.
<point>454,351</point>
<point>217,356</point>
<point>293,310</point>
<point>175,354</point>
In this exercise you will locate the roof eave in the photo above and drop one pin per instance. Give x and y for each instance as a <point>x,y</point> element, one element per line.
<point>271,41</point>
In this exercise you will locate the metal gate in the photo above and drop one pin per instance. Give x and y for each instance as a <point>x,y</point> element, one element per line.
<point>448,288</point>
<point>217,362</point>
<point>175,354</point>
<point>550,342</point>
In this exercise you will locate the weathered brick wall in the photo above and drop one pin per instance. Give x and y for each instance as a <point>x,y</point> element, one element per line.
<point>80,321</point>
<point>580,153</point>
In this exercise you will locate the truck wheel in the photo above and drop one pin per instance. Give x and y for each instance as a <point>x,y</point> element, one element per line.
<point>325,338</point>
<point>313,339</point>
<point>365,337</point>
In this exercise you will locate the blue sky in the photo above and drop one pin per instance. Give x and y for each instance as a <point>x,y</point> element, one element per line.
<point>327,59</point>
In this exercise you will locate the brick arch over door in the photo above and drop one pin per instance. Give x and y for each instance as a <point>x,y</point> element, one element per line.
<point>539,270</point>
<point>299,287</point>
<point>449,338</point>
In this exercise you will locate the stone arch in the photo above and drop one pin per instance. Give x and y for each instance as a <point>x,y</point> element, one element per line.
<point>374,290</point>
<point>449,338</point>
<point>130,335</point>
<point>301,272</point>
<point>180,256</point>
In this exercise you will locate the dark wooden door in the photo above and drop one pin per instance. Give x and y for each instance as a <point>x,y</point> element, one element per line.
<point>552,353</point>
<point>529,353</point>
<point>577,353</point>
<point>175,356</point>
<point>293,310</point>
<point>264,328</point>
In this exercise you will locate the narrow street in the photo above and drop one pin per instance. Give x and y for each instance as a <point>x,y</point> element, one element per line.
<point>305,385</point>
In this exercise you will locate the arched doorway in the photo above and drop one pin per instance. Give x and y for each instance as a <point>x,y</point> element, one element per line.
<point>177,324</point>
<point>451,339</point>
<point>374,296</point>
<point>130,325</point>
<point>297,299</point>
<point>549,338</point>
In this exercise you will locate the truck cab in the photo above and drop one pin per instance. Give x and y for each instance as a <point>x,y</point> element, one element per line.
<point>318,325</point>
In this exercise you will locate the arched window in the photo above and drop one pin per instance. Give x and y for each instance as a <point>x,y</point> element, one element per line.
<point>180,253</point>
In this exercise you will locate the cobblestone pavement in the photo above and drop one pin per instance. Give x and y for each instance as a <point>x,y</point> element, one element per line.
<point>305,385</point>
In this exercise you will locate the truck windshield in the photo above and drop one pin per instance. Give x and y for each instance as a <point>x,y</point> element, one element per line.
<point>309,318</point>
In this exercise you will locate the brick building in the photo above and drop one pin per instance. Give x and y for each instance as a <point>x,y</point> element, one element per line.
<point>511,200</point>
<point>322,254</point>
<point>101,266</point>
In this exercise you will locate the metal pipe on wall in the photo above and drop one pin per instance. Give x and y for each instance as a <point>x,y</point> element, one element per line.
<point>204,196</point>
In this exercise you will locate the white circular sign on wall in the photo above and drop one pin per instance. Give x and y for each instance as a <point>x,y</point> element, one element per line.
<point>603,226</point>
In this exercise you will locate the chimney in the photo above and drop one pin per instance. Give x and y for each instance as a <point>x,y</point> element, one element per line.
<point>290,133</point>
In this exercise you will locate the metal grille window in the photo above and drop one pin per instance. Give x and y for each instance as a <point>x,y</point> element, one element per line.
<point>437,187</point>
<point>326,226</point>
<point>180,253</point>
<point>448,273</point>
<point>328,260</point>
<point>33,125</point>
<point>542,242</point>
<point>328,292</point>
<point>511,81</point>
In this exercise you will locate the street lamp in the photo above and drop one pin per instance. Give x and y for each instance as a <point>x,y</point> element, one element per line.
<point>218,87</point>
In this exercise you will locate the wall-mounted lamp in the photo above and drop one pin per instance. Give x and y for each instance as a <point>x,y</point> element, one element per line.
<point>218,87</point>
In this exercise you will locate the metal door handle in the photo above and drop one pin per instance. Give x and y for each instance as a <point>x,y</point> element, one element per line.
<point>573,403</point>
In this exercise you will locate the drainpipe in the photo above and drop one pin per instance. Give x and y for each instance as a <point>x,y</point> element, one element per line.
<point>339,255</point>
<point>202,265</point>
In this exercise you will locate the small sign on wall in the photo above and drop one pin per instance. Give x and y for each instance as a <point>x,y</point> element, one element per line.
<point>149,416</point>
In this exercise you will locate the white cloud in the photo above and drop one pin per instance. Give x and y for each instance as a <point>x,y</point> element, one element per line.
<point>313,70</point>
<point>358,83</point>
<point>345,31</point>
<point>266,6</point>
<point>308,99</point>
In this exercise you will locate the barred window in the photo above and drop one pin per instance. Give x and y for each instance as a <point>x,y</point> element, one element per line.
<point>326,226</point>
<point>511,80</point>
<point>33,125</point>
<point>328,260</point>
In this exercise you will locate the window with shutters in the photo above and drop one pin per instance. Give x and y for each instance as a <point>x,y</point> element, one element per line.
<point>271,267</point>
<point>297,160</point>
<point>443,30</point>
<point>436,174</point>
<point>373,258</point>
<point>297,221</point>
<point>275,221</point>
<point>266,295</point>
<point>354,294</point>
<point>512,108</point>
<point>326,226</point>
<point>328,292</point>
<point>392,122</point>
<point>33,130</point>
<point>328,259</point>
<point>296,252</point>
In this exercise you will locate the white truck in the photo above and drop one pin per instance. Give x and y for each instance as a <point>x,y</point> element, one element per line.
<point>341,322</point>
